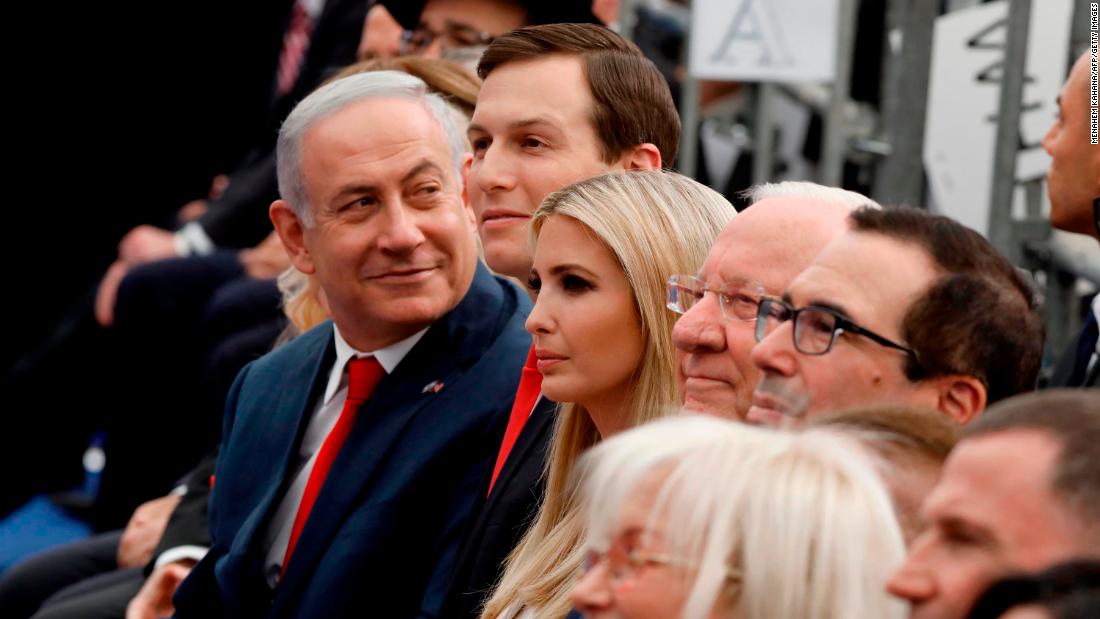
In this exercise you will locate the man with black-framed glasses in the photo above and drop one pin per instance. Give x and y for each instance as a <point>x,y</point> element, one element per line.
<point>758,254</point>
<point>907,308</point>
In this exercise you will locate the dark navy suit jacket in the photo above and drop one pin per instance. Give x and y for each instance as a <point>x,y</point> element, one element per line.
<point>504,518</point>
<point>383,537</point>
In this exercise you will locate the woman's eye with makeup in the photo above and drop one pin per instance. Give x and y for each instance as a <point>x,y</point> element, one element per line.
<point>533,282</point>
<point>574,283</point>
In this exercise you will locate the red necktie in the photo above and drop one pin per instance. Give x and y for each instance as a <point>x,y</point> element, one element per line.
<point>363,376</point>
<point>295,42</point>
<point>530,384</point>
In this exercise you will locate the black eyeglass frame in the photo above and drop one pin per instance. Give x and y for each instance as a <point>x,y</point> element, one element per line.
<point>841,325</point>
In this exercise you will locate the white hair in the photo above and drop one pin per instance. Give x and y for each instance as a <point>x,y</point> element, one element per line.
<point>340,93</point>
<point>801,518</point>
<point>808,190</point>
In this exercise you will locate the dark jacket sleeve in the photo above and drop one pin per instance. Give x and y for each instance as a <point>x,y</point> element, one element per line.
<point>188,525</point>
<point>238,219</point>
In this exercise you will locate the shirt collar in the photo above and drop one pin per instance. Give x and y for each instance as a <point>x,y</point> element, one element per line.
<point>388,357</point>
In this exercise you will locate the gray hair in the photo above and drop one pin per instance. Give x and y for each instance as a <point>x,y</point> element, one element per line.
<point>808,508</point>
<point>337,95</point>
<point>806,189</point>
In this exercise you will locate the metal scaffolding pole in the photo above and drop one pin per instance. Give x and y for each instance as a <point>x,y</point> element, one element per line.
<point>628,17</point>
<point>1001,229</point>
<point>689,131</point>
<point>835,142</point>
<point>763,148</point>
<point>1079,28</point>
<point>900,178</point>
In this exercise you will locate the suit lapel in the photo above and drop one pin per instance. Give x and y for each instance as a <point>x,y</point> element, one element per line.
<point>533,434</point>
<point>289,407</point>
<point>474,553</point>
<point>439,357</point>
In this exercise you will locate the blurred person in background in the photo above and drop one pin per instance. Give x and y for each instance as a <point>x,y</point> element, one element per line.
<point>1068,590</point>
<point>1020,493</point>
<point>910,446</point>
<point>1073,184</point>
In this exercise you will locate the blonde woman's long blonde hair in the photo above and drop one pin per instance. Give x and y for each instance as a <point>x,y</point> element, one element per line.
<point>656,224</point>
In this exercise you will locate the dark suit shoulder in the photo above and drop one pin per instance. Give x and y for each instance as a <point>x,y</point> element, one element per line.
<point>503,518</point>
<point>492,306</point>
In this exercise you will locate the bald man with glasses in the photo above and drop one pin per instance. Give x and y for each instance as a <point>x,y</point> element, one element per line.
<point>786,225</point>
<point>905,308</point>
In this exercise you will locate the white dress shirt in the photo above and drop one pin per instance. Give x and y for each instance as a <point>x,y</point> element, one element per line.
<point>325,414</point>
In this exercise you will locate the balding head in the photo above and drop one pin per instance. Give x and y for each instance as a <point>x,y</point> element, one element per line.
<point>761,250</point>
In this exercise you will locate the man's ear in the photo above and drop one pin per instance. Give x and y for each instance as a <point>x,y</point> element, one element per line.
<point>642,157</point>
<point>467,161</point>
<point>292,233</point>
<point>961,397</point>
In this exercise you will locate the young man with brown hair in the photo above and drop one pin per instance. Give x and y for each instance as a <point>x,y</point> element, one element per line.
<point>560,103</point>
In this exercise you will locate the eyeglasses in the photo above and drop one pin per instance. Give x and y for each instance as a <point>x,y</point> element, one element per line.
<point>454,35</point>
<point>623,564</point>
<point>815,328</point>
<point>737,298</point>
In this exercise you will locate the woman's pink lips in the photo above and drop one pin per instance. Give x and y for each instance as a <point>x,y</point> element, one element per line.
<point>546,364</point>
<point>547,359</point>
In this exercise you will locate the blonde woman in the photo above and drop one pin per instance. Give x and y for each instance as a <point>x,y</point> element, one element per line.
<point>697,517</point>
<point>604,249</point>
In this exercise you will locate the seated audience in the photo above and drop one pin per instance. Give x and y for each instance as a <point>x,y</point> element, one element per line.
<point>907,308</point>
<point>758,253</point>
<point>1020,493</point>
<point>693,517</point>
<point>54,576</point>
<point>604,249</point>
